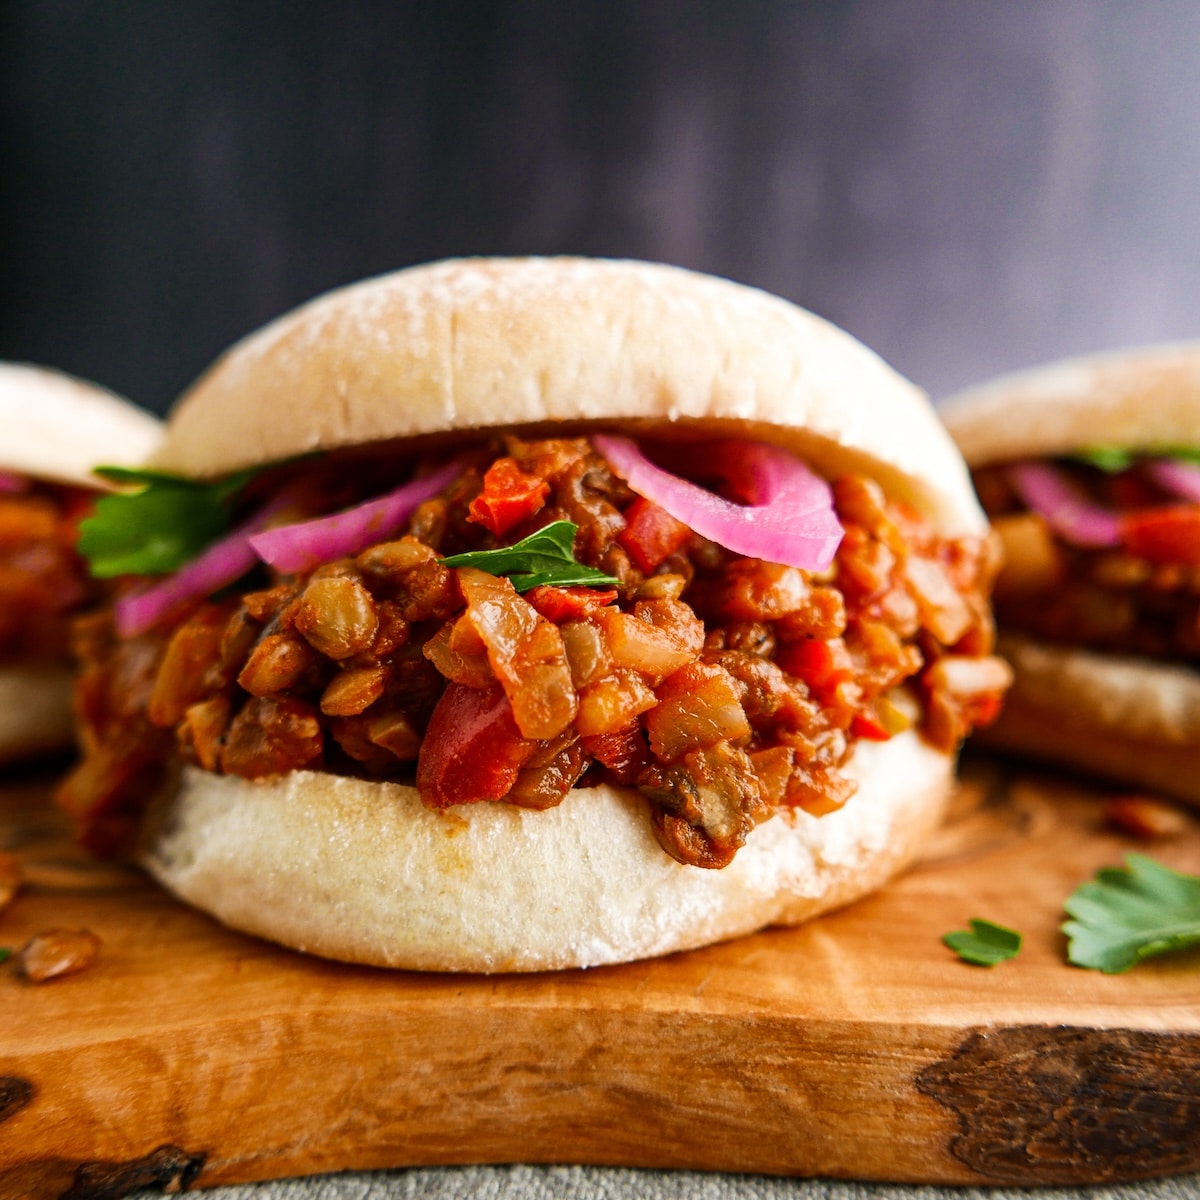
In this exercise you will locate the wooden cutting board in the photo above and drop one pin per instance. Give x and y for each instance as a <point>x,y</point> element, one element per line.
<point>856,1047</point>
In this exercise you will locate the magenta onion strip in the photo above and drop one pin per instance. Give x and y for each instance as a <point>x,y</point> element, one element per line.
<point>308,544</point>
<point>288,548</point>
<point>1048,491</point>
<point>225,560</point>
<point>12,483</point>
<point>1173,475</point>
<point>789,518</point>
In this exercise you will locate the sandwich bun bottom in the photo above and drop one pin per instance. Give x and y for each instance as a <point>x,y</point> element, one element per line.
<point>363,872</point>
<point>35,710</point>
<point>1128,720</point>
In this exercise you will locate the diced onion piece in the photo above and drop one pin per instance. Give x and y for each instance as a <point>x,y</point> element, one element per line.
<point>545,702</point>
<point>697,706</point>
<point>587,652</point>
<point>789,517</point>
<point>676,619</point>
<point>227,559</point>
<point>471,669</point>
<point>612,704</point>
<point>967,678</point>
<point>525,652</point>
<point>308,544</point>
<point>1047,491</point>
<point>638,645</point>
<point>1032,560</point>
<point>941,604</point>
<point>1176,476</point>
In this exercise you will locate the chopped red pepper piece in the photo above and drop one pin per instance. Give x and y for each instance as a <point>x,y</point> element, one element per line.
<point>509,497</point>
<point>1165,534</point>
<point>472,749</point>
<point>821,664</point>
<point>559,604</point>
<point>983,710</point>
<point>625,753</point>
<point>864,726</point>
<point>651,534</point>
<point>1129,490</point>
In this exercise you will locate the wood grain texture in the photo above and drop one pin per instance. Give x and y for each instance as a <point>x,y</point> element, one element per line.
<point>855,1047</point>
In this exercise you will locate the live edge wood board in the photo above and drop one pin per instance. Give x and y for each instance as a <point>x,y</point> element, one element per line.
<point>856,1047</point>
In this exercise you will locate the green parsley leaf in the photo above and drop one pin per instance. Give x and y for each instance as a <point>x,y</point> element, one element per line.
<point>1183,453</point>
<point>158,528</point>
<point>1114,459</point>
<point>1129,913</point>
<point>1111,459</point>
<point>544,557</point>
<point>5,953</point>
<point>985,945</point>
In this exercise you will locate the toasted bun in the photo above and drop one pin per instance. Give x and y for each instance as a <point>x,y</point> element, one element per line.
<point>57,427</point>
<point>477,343</point>
<point>1127,719</point>
<point>366,873</point>
<point>1138,399</point>
<point>35,710</point>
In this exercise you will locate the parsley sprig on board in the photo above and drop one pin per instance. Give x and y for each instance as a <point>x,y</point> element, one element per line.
<point>1126,914</point>
<point>544,557</point>
<point>985,944</point>
<point>1115,459</point>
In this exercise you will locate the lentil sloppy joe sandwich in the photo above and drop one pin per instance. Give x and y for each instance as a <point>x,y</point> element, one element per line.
<point>53,428</point>
<point>568,612</point>
<point>1089,469</point>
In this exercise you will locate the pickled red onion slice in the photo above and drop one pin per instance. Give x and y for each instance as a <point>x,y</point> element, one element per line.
<point>1048,491</point>
<point>789,517</point>
<point>308,544</point>
<point>227,559</point>
<point>12,483</point>
<point>1173,475</point>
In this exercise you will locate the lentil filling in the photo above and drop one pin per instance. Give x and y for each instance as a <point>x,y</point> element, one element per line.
<point>43,583</point>
<point>725,689</point>
<point>1141,596</point>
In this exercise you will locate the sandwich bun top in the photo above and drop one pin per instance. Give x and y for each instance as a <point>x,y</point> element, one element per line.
<point>57,427</point>
<point>560,344</point>
<point>1141,398</point>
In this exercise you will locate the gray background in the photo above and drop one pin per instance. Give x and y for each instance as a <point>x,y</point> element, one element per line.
<point>967,185</point>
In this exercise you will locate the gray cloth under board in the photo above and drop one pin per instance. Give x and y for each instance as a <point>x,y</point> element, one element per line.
<point>606,1183</point>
